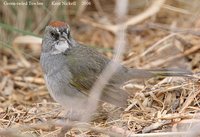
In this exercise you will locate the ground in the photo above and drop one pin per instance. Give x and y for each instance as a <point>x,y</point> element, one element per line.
<point>157,106</point>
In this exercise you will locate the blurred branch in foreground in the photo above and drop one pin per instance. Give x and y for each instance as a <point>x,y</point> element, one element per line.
<point>152,10</point>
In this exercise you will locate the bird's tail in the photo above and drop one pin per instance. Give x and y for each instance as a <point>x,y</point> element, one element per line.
<point>149,73</point>
<point>171,72</point>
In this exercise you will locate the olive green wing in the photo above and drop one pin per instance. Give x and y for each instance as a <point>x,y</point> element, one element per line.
<point>85,65</point>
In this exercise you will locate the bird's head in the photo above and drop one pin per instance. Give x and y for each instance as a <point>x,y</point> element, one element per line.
<point>57,38</point>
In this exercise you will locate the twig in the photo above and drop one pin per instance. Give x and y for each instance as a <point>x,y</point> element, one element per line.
<point>111,68</point>
<point>155,126</point>
<point>178,115</point>
<point>152,10</point>
<point>98,7</point>
<point>30,79</point>
<point>21,57</point>
<point>162,62</point>
<point>46,19</point>
<point>107,73</point>
<point>159,91</point>
<point>150,49</point>
<point>80,10</point>
<point>189,99</point>
<point>67,125</point>
<point>169,7</point>
<point>173,29</point>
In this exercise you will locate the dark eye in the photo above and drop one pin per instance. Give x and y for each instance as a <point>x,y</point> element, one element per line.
<point>54,35</point>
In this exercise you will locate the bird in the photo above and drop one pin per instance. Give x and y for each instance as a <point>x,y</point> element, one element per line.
<point>70,69</point>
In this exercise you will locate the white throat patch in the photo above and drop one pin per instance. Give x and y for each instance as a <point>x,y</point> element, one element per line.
<point>61,47</point>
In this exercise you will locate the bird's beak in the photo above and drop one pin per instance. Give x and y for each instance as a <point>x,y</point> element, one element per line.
<point>63,37</point>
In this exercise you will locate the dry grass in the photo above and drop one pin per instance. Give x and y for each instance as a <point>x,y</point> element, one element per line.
<point>158,106</point>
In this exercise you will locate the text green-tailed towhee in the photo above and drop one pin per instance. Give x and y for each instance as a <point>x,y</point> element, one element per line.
<point>70,70</point>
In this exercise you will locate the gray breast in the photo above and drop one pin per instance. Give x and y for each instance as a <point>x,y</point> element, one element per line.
<point>57,77</point>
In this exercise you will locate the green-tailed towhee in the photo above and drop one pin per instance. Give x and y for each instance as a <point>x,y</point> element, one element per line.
<point>70,70</point>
